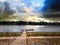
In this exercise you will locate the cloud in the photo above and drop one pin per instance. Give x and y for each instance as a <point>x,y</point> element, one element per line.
<point>30,7</point>
<point>3,0</point>
<point>10,7</point>
<point>20,6</point>
<point>6,8</point>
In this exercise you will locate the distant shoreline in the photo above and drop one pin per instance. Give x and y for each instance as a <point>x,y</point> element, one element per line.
<point>28,23</point>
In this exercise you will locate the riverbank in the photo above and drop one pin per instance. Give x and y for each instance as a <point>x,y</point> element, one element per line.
<point>7,34</point>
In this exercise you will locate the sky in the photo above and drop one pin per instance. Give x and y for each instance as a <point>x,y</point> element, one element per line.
<point>21,6</point>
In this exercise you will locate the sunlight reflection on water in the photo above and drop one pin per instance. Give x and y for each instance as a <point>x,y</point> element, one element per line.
<point>36,28</point>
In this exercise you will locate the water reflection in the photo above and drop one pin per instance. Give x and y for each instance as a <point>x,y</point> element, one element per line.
<point>36,28</point>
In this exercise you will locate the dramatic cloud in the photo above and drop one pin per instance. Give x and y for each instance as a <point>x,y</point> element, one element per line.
<point>3,0</point>
<point>51,8</point>
<point>32,6</point>
<point>9,7</point>
<point>6,9</point>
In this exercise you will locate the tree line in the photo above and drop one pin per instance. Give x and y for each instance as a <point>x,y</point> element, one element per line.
<point>28,23</point>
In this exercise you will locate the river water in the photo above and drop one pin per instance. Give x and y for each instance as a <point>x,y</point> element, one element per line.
<point>36,28</point>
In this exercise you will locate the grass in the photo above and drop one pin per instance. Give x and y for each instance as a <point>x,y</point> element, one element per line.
<point>43,34</point>
<point>6,34</point>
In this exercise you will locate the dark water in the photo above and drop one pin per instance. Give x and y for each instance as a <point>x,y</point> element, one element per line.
<point>17,28</point>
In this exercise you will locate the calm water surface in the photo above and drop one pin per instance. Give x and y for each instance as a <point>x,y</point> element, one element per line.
<point>37,28</point>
